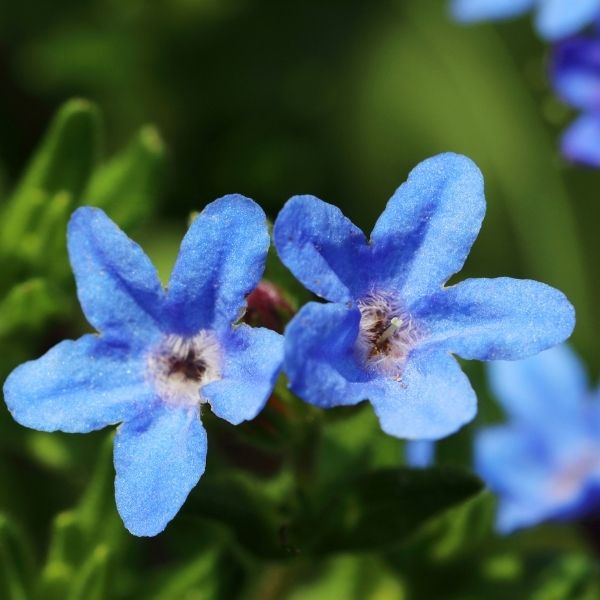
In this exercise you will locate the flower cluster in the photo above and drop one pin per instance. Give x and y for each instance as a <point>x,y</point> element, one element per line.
<point>576,78</point>
<point>544,464</point>
<point>387,334</point>
<point>554,19</point>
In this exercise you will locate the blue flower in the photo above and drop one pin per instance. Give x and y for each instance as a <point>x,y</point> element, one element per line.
<point>576,78</point>
<point>160,355</point>
<point>389,330</point>
<point>545,464</point>
<point>555,19</point>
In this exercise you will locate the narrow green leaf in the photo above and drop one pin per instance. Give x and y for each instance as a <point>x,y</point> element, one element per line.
<point>384,507</point>
<point>90,580</point>
<point>127,186</point>
<point>28,306</point>
<point>16,561</point>
<point>63,162</point>
<point>195,579</point>
<point>66,157</point>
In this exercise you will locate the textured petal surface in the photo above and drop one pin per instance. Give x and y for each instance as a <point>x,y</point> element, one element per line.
<point>576,72</point>
<point>78,387</point>
<point>581,141</point>
<point>425,233</point>
<point>319,356</point>
<point>220,262</point>
<point>557,19</point>
<point>491,319</point>
<point>484,10</point>
<point>545,390</point>
<point>322,248</point>
<point>432,400</point>
<point>159,458</point>
<point>118,287</point>
<point>253,359</point>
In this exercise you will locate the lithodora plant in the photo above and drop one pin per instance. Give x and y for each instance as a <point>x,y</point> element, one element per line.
<point>218,354</point>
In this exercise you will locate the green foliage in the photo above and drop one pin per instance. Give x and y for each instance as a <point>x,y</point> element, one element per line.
<point>65,171</point>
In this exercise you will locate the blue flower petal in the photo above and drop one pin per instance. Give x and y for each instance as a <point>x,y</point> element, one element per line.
<point>220,262</point>
<point>118,287</point>
<point>319,356</point>
<point>558,19</point>
<point>425,233</point>
<point>576,72</point>
<point>159,458</point>
<point>78,387</point>
<point>322,248</point>
<point>253,358</point>
<point>469,11</point>
<point>581,141</point>
<point>518,468</point>
<point>491,319</point>
<point>546,390</point>
<point>432,399</point>
<point>420,453</point>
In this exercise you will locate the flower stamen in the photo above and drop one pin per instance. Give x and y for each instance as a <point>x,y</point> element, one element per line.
<point>387,333</point>
<point>395,324</point>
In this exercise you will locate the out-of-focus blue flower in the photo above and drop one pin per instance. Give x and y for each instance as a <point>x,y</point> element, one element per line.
<point>545,464</point>
<point>555,19</point>
<point>390,327</point>
<point>420,453</point>
<point>576,78</point>
<point>160,355</point>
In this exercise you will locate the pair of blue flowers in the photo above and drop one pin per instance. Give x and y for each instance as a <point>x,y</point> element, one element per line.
<point>387,333</point>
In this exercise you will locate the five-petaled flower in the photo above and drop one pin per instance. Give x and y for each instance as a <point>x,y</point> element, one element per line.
<point>576,78</point>
<point>544,464</point>
<point>555,19</point>
<point>160,355</point>
<point>390,327</point>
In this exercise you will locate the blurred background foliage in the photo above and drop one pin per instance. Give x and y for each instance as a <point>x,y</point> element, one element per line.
<point>270,99</point>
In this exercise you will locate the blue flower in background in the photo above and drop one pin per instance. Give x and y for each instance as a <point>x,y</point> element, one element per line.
<point>555,19</point>
<point>160,354</point>
<point>390,327</point>
<point>545,464</point>
<point>576,78</point>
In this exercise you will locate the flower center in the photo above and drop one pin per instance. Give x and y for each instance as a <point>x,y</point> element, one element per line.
<point>180,366</point>
<point>387,333</point>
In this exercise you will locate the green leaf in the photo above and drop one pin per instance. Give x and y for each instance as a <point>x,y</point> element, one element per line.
<point>28,306</point>
<point>362,577</point>
<point>68,153</point>
<point>16,561</point>
<point>385,507</point>
<point>570,578</point>
<point>91,578</point>
<point>62,163</point>
<point>127,186</point>
<point>196,578</point>
<point>460,529</point>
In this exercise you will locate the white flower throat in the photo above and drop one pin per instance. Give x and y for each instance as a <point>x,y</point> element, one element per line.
<point>387,333</point>
<point>180,366</point>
